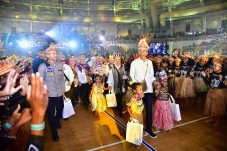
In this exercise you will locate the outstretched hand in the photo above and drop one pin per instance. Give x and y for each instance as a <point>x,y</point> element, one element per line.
<point>24,83</point>
<point>37,96</point>
<point>9,88</point>
<point>15,116</point>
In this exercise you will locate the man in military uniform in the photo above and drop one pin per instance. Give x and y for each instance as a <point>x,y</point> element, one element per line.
<point>53,76</point>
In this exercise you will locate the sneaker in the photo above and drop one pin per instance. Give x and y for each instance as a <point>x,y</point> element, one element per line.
<point>152,134</point>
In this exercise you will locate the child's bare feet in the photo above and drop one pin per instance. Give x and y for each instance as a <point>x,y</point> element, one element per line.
<point>209,121</point>
<point>96,114</point>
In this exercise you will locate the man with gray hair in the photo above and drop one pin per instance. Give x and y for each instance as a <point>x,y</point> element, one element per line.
<point>53,75</point>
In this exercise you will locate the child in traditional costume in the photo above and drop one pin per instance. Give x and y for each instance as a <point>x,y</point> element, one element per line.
<point>157,67</point>
<point>177,76</point>
<point>163,118</point>
<point>135,104</point>
<point>170,74</point>
<point>215,105</point>
<point>185,86</point>
<point>200,85</point>
<point>97,99</point>
<point>225,77</point>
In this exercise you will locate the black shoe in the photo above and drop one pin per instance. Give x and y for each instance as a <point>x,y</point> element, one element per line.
<point>152,134</point>
<point>56,139</point>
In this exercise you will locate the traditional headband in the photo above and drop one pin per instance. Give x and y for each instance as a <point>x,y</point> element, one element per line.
<point>111,56</point>
<point>143,44</point>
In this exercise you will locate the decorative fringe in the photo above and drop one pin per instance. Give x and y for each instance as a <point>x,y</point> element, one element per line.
<point>200,85</point>
<point>215,102</point>
<point>185,88</point>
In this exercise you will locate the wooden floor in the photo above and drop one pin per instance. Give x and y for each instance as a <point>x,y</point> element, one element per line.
<point>84,131</point>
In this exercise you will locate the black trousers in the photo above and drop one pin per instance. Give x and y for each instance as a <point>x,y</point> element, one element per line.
<point>119,102</point>
<point>148,106</point>
<point>84,91</point>
<point>54,113</point>
<point>76,94</point>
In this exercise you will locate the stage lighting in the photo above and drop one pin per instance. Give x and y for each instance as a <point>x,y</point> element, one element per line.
<point>72,44</point>
<point>24,43</point>
<point>50,33</point>
<point>102,38</point>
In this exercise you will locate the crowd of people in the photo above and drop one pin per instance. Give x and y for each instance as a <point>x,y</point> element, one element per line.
<point>31,87</point>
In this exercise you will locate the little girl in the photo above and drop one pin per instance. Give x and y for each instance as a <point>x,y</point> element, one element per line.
<point>135,104</point>
<point>98,100</point>
<point>163,118</point>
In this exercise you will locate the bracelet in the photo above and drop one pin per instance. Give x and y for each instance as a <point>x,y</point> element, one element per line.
<point>7,97</point>
<point>7,125</point>
<point>37,127</point>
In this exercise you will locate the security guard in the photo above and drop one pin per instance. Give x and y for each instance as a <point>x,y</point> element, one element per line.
<point>53,76</point>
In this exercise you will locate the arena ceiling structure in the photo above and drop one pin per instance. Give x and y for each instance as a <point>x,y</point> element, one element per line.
<point>153,12</point>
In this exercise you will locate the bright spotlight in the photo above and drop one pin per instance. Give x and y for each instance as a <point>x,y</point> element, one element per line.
<point>102,38</point>
<point>24,43</point>
<point>50,33</point>
<point>72,44</point>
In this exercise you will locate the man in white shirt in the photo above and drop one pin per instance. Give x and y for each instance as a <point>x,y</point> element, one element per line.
<point>142,69</point>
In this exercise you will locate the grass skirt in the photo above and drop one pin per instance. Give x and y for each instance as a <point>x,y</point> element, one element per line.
<point>215,102</point>
<point>184,88</point>
<point>200,85</point>
<point>98,103</point>
<point>178,84</point>
<point>162,117</point>
<point>171,84</point>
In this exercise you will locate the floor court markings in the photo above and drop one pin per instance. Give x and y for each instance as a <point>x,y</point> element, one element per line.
<point>146,134</point>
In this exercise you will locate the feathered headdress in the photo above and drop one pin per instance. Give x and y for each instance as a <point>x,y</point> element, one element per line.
<point>118,57</point>
<point>7,64</point>
<point>178,59</point>
<point>204,57</point>
<point>218,62</point>
<point>111,56</point>
<point>143,43</point>
<point>216,55</point>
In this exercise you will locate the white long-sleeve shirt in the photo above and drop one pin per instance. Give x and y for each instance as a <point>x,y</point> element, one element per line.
<point>70,75</point>
<point>81,76</point>
<point>137,72</point>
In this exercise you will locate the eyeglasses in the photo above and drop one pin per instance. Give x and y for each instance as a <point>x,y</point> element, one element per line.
<point>62,60</point>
